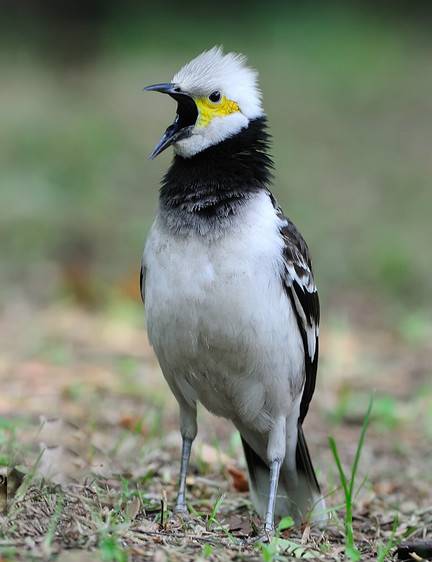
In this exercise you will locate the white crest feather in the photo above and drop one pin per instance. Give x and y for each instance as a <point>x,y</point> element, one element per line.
<point>229,73</point>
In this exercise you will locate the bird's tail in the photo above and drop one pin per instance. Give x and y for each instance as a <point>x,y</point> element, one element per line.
<point>299,494</point>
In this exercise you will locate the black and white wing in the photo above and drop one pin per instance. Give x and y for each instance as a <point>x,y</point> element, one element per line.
<point>300,287</point>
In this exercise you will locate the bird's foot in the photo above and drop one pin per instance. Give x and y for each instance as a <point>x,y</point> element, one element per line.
<point>180,515</point>
<point>265,536</point>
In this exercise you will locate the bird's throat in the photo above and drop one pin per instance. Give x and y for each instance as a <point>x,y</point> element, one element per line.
<point>203,191</point>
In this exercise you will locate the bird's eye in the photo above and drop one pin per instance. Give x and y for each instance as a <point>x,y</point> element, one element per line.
<point>215,96</point>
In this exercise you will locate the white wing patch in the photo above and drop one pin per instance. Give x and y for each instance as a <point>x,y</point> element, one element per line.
<point>311,327</point>
<point>297,278</point>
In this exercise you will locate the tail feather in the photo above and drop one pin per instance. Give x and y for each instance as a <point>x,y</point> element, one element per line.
<point>299,493</point>
<point>259,478</point>
<point>304,461</point>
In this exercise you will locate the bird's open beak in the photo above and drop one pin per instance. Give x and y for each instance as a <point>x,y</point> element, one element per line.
<point>187,114</point>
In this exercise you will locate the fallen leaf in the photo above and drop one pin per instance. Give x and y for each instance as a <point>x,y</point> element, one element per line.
<point>241,525</point>
<point>133,508</point>
<point>238,478</point>
<point>147,526</point>
<point>384,487</point>
<point>133,423</point>
<point>306,535</point>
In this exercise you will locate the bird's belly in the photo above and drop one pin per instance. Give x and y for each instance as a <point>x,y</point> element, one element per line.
<point>222,326</point>
<point>218,348</point>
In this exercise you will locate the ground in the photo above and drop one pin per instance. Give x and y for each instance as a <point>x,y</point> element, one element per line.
<point>91,429</point>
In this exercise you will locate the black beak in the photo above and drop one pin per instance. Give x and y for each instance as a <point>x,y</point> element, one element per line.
<point>187,114</point>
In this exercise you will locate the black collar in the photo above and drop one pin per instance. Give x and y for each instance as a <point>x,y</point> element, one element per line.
<point>214,182</point>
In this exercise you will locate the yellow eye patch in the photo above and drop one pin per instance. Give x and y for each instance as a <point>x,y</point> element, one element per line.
<point>208,110</point>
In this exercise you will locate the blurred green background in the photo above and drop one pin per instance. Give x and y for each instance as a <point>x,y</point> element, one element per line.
<point>348,92</point>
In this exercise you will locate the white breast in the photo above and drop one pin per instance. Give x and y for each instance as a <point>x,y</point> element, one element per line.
<point>219,319</point>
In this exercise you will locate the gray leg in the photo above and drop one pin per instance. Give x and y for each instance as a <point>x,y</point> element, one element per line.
<point>276,448</point>
<point>184,465</point>
<point>188,430</point>
<point>274,481</point>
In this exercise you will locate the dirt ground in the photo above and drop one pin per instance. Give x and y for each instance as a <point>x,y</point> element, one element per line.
<point>90,430</point>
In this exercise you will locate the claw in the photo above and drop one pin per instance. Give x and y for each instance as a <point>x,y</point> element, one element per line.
<point>266,536</point>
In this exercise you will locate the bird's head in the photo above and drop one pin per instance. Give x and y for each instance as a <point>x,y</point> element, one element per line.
<point>217,95</point>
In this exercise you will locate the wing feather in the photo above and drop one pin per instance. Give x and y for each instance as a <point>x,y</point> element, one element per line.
<point>299,284</point>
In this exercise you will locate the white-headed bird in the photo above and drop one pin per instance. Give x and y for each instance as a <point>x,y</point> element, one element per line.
<point>231,306</point>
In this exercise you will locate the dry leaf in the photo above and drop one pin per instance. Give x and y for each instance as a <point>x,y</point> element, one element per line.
<point>147,526</point>
<point>240,524</point>
<point>384,488</point>
<point>306,535</point>
<point>133,423</point>
<point>238,478</point>
<point>133,508</point>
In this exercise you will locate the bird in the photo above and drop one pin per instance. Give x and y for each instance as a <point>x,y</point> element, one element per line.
<point>231,306</point>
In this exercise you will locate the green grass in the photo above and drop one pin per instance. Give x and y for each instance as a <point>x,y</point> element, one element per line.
<point>384,550</point>
<point>111,550</point>
<point>279,547</point>
<point>348,485</point>
<point>207,551</point>
<point>212,518</point>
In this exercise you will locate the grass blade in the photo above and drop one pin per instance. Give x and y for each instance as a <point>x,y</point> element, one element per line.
<point>348,487</point>
<point>360,444</point>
